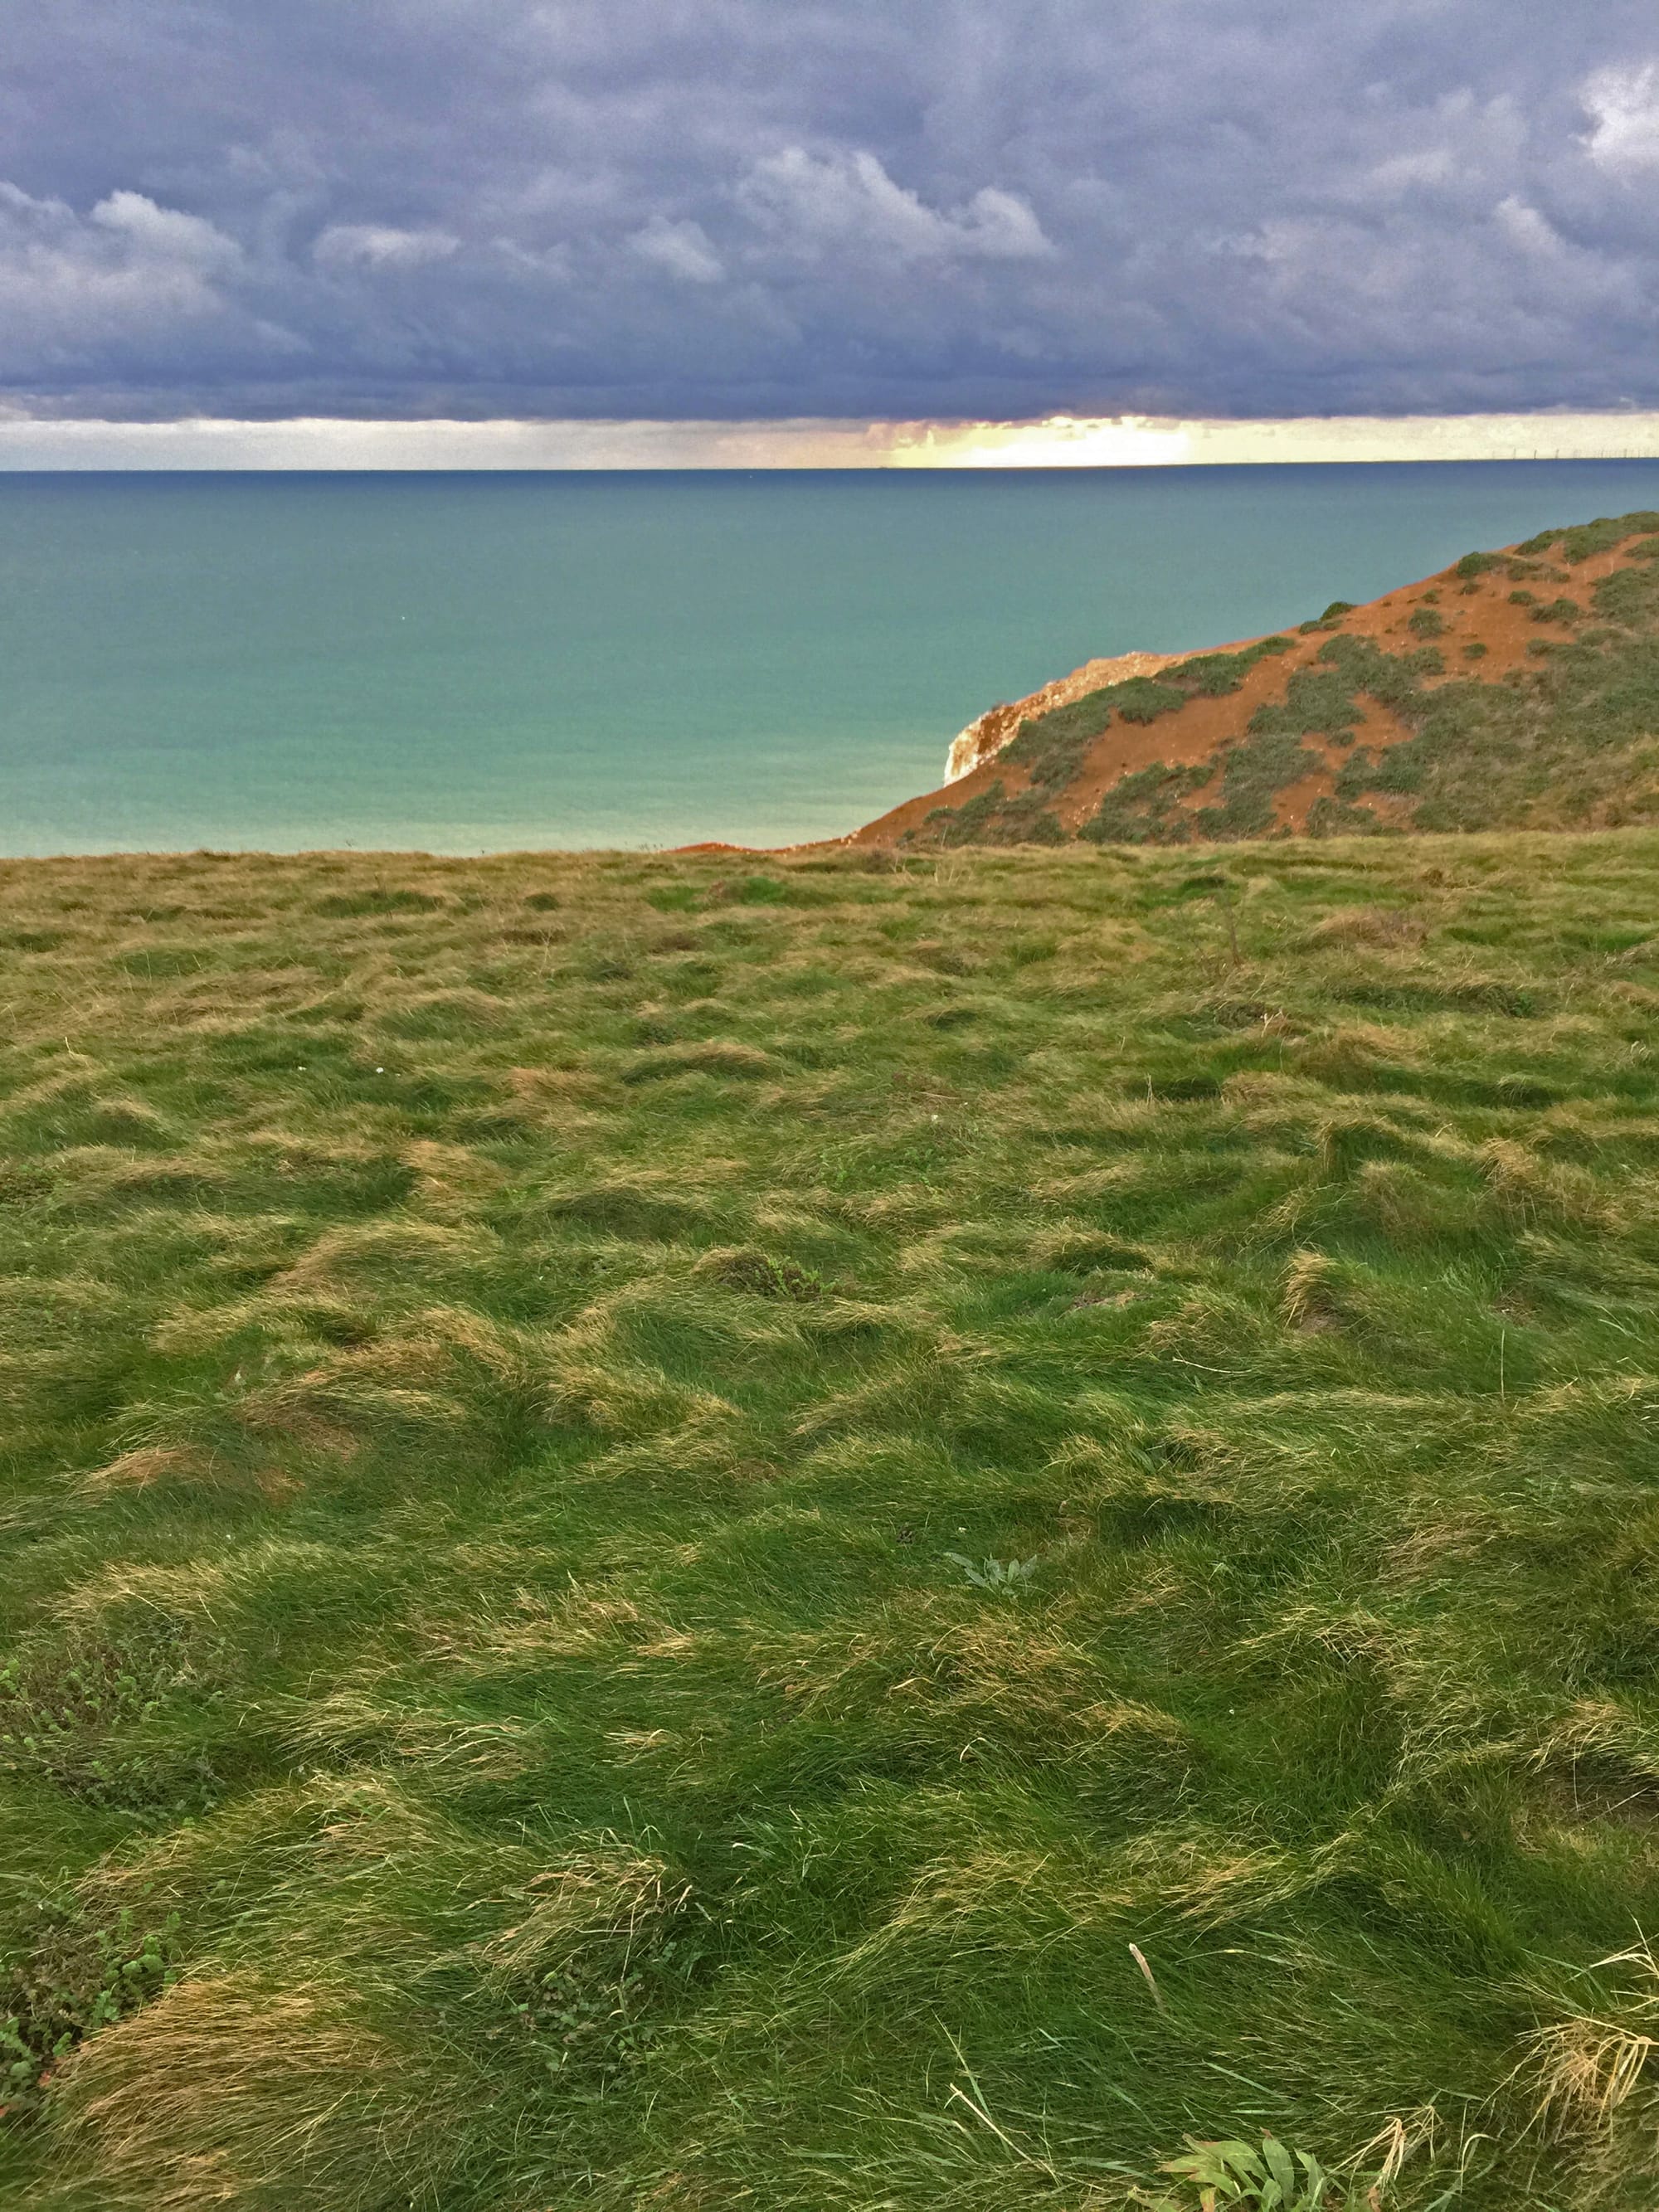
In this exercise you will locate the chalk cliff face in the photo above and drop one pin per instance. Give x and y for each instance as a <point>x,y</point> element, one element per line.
<point>999,726</point>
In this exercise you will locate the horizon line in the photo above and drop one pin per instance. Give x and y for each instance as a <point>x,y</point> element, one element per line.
<point>38,443</point>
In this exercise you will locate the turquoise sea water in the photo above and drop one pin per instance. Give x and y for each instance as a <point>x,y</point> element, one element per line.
<point>466,663</point>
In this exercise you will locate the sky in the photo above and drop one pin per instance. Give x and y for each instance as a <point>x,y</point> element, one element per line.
<point>760,215</point>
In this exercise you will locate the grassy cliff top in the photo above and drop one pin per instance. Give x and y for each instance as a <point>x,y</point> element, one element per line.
<point>863,1533</point>
<point>1515,690</point>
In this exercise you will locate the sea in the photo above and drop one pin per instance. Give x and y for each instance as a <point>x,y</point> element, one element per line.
<point>460,662</point>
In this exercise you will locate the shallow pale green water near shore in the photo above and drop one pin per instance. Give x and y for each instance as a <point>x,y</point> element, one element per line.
<point>466,663</point>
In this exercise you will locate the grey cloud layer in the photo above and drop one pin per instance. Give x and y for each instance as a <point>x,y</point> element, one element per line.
<point>750,207</point>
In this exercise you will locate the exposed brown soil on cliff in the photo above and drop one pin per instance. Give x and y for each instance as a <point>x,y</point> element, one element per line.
<point>1471,671</point>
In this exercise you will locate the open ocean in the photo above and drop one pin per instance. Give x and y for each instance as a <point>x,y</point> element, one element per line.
<point>465,663</point>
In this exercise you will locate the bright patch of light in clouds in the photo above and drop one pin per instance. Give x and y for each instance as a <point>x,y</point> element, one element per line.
<point>1624,107</point>
<point>847,203</point>
<point>377,245</point>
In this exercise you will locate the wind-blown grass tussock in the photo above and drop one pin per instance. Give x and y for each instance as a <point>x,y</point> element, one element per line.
<point>838,1533</point>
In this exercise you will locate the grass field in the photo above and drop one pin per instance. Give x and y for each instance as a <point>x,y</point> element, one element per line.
<point>843,1534</point>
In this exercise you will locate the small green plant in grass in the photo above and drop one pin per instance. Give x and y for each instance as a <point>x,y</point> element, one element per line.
<point>83,1713</point>
<point>76,1978</point>
<point>1000,1577</point>
<point>1269,2178</point>
<point>1426,623</point>
<point>763,1275</point>
<point>598,2030</point>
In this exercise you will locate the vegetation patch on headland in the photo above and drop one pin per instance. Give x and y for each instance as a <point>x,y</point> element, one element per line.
<point>858,1530</point>
<point>1517,689</point>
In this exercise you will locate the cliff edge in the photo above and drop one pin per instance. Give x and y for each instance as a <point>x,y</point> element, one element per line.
<point>999,726</point>
<point>1517,689</point>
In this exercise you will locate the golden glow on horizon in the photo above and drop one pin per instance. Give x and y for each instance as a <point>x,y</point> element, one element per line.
<point>1144,441</point>
<point>1063,441</point>
<point>1058,441</point>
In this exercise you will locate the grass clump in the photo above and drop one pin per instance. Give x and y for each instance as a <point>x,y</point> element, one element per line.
<point>997,817</point>
<point>763,1276</point>
<point>378,898</point>
<point>1214,675</point>
<point>1144,698</point>
<point>1253,773</point>
<point>1603,535</point>
<point>974,1532</point>
<point>1144,806</point>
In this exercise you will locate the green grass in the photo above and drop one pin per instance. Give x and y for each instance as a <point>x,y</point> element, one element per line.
<point>844,1532</point>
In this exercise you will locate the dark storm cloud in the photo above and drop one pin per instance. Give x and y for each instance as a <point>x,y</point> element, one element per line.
<point>746,207</point>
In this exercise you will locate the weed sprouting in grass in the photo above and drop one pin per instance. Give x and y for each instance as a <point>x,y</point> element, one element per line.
<point>77,1711</point>
<point>742,1268</point>
<point>999,1577</point>
<point>1266,2177</point>
<point>76,1978</point>
<point>645,1570</point>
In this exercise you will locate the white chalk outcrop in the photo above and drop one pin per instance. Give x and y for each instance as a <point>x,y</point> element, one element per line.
<point>983,740</point>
